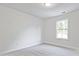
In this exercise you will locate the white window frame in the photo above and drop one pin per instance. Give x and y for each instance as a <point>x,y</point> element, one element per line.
<point>62,33</point>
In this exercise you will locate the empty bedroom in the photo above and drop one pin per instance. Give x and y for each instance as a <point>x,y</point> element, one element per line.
<point>39,29</point>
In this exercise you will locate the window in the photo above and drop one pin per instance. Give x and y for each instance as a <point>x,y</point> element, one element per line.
<point>62,29</point>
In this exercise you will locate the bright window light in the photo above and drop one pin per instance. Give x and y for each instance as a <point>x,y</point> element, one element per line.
<point>62,29</point>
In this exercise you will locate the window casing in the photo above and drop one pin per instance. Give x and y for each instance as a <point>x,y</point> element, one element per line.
<point>62,29</point>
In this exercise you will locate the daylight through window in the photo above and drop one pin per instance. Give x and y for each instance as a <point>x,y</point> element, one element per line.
<point>62,29</point>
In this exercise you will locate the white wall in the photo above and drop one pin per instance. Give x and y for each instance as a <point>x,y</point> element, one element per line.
<point>49,30</point>
<point>18,30</point>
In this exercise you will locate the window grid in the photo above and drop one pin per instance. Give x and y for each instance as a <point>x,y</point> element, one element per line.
<point>62,29</point>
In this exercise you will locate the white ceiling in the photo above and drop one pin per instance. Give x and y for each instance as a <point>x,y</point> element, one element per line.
<point>39,10</point>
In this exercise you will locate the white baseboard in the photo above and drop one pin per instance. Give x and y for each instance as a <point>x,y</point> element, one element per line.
<point>60,45</point>
<point>11,50</point>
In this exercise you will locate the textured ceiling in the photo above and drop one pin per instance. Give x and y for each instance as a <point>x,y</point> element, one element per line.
<point>41,11</point>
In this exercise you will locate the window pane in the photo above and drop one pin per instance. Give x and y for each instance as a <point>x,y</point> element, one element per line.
<point>65,34</point>
<point>62,24</point>
<point>59,33</point>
